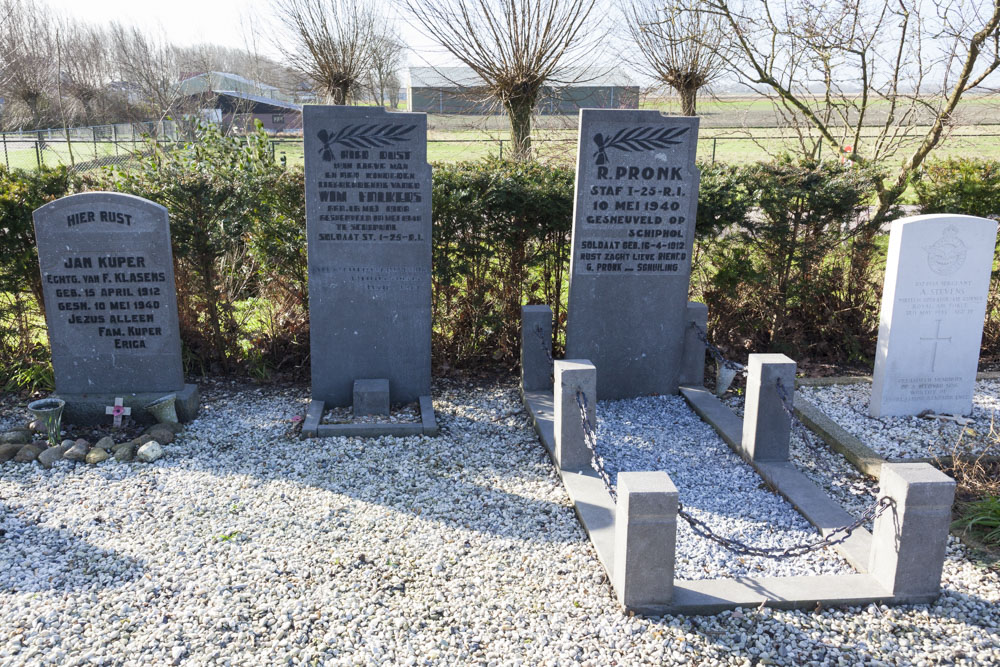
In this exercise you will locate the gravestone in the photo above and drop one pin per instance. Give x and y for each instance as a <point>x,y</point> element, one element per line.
<point>110,305</point>
<point>368,211</point>
<point>633,232</point>
<point>937,280</point>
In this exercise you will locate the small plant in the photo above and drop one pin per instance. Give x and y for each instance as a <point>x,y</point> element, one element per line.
<point>227,537</point>
<point>983,517</point>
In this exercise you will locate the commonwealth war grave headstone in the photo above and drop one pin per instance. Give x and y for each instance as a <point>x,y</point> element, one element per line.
<point>110,305</point>
<point>933,303</point>
<point>633,232</point>
<point>368,212</point>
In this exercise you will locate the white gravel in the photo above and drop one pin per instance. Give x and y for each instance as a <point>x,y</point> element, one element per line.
<point>243,545</point>
<point>909,437</point>
<point>714,485</point>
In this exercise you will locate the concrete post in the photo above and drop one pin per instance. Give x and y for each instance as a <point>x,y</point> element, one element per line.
<point>645,541</point>
<point>909,540</point>
<point>693,361</point>
<point>536,339</point>
<point>766,425</point>
<point>573,375</point>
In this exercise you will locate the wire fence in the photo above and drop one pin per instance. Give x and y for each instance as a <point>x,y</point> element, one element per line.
<point>87,148</point>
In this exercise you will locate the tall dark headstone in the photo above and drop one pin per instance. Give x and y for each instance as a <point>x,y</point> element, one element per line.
<point>633,231</point>
<point>368,212</point>
<point>110,305</point>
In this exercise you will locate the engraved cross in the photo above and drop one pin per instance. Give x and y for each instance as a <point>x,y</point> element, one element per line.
<point>936,339</point>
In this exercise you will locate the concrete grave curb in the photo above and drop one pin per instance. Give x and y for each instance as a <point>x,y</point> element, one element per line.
<point>312,428</point>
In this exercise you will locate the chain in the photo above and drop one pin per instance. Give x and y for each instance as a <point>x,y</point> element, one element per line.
<point>788,405</point>
<point>547,349</point>
<point>590,439</point>
<point>716,352</point>
<point>836,536</point>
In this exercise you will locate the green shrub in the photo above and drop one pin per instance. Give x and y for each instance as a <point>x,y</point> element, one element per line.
<point>226,198</point>
<point>26,363</point>
<point>797,274</point>
<point>501,239</point>
<point>971,187</point>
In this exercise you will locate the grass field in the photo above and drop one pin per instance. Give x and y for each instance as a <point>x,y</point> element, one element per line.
<point>733,130</point>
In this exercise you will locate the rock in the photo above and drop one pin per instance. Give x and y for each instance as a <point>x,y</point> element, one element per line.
<point>97,455</point>
<point>67,443</point>
<point>162,434</point>
<point>143,439</point>
<point>125,452</point>
<point>149,452</point>
<point>105,443</point>
<point>37,426</point>
<point>51,455</point>
<point>7,452</point>
<point>77,451</point>
<point>15,436</point>
<point>174,428</point>
<point>28,453</point>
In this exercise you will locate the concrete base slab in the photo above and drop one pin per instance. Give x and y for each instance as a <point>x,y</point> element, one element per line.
<point>596,511</point>
<point>312,428</point>
<point>90,409</point>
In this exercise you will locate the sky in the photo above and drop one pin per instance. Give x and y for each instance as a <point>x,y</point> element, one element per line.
<point>187,22</point>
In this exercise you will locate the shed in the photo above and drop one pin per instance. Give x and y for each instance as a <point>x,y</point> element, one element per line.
<point>459,90</point>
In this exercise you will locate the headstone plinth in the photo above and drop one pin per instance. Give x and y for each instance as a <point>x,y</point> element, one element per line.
<point>368,223</point>
<point>633,233</point>
<point>110,305</point>
<point>937,280</point>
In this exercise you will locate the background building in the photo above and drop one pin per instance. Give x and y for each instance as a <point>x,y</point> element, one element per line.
<point>459,90</point>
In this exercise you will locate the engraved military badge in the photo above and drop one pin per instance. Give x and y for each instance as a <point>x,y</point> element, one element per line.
<point>947,254</point>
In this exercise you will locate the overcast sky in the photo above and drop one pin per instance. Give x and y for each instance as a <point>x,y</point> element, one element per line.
<point>187,22</point>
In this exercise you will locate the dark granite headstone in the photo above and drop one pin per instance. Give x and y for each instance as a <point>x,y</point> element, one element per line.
<point>110,303</point>
<point>633,230</point>
<point>368,212</point>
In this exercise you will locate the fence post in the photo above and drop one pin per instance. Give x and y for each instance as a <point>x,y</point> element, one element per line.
<point>571,376</point>
<point>645,541</point>
<point>767,427</point>
<point>93,133</point>
<point>536,340</point>
<point>909,539</point>
<point>114,136</point>
<point>5,158</point>
<point>38,152</point>
<point>714,140</point>
<point>501,149</point>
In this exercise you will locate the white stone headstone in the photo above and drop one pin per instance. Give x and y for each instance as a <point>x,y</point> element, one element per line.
<point>937,280</point>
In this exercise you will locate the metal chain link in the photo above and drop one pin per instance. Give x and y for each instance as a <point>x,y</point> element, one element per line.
<point>716,352</point>
<point>590,439</point>
<point>836,536</point>
<point>788,404</point>
<point>547,349</point>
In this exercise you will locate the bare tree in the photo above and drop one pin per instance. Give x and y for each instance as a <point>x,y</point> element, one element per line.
<point>387,58</point>
<point>148,64</point>
<point>85,67</point>
<point>27,38</point>
<point>515,46</point>
<point>836,68</point>
<point>329,41</point>
<point>673,40</point>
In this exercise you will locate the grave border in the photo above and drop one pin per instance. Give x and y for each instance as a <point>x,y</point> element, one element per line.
<point>865,459</point>
<point>312,428</point>
<point>607,522</point>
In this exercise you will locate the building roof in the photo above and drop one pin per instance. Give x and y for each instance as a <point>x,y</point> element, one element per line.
<point>465,77</point>
<point>218,81</point>
<point>260,100</point>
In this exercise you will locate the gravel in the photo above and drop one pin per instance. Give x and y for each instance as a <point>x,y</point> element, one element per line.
<point>243,545</point>
<point>663,433</point>
<point>909,437</point>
